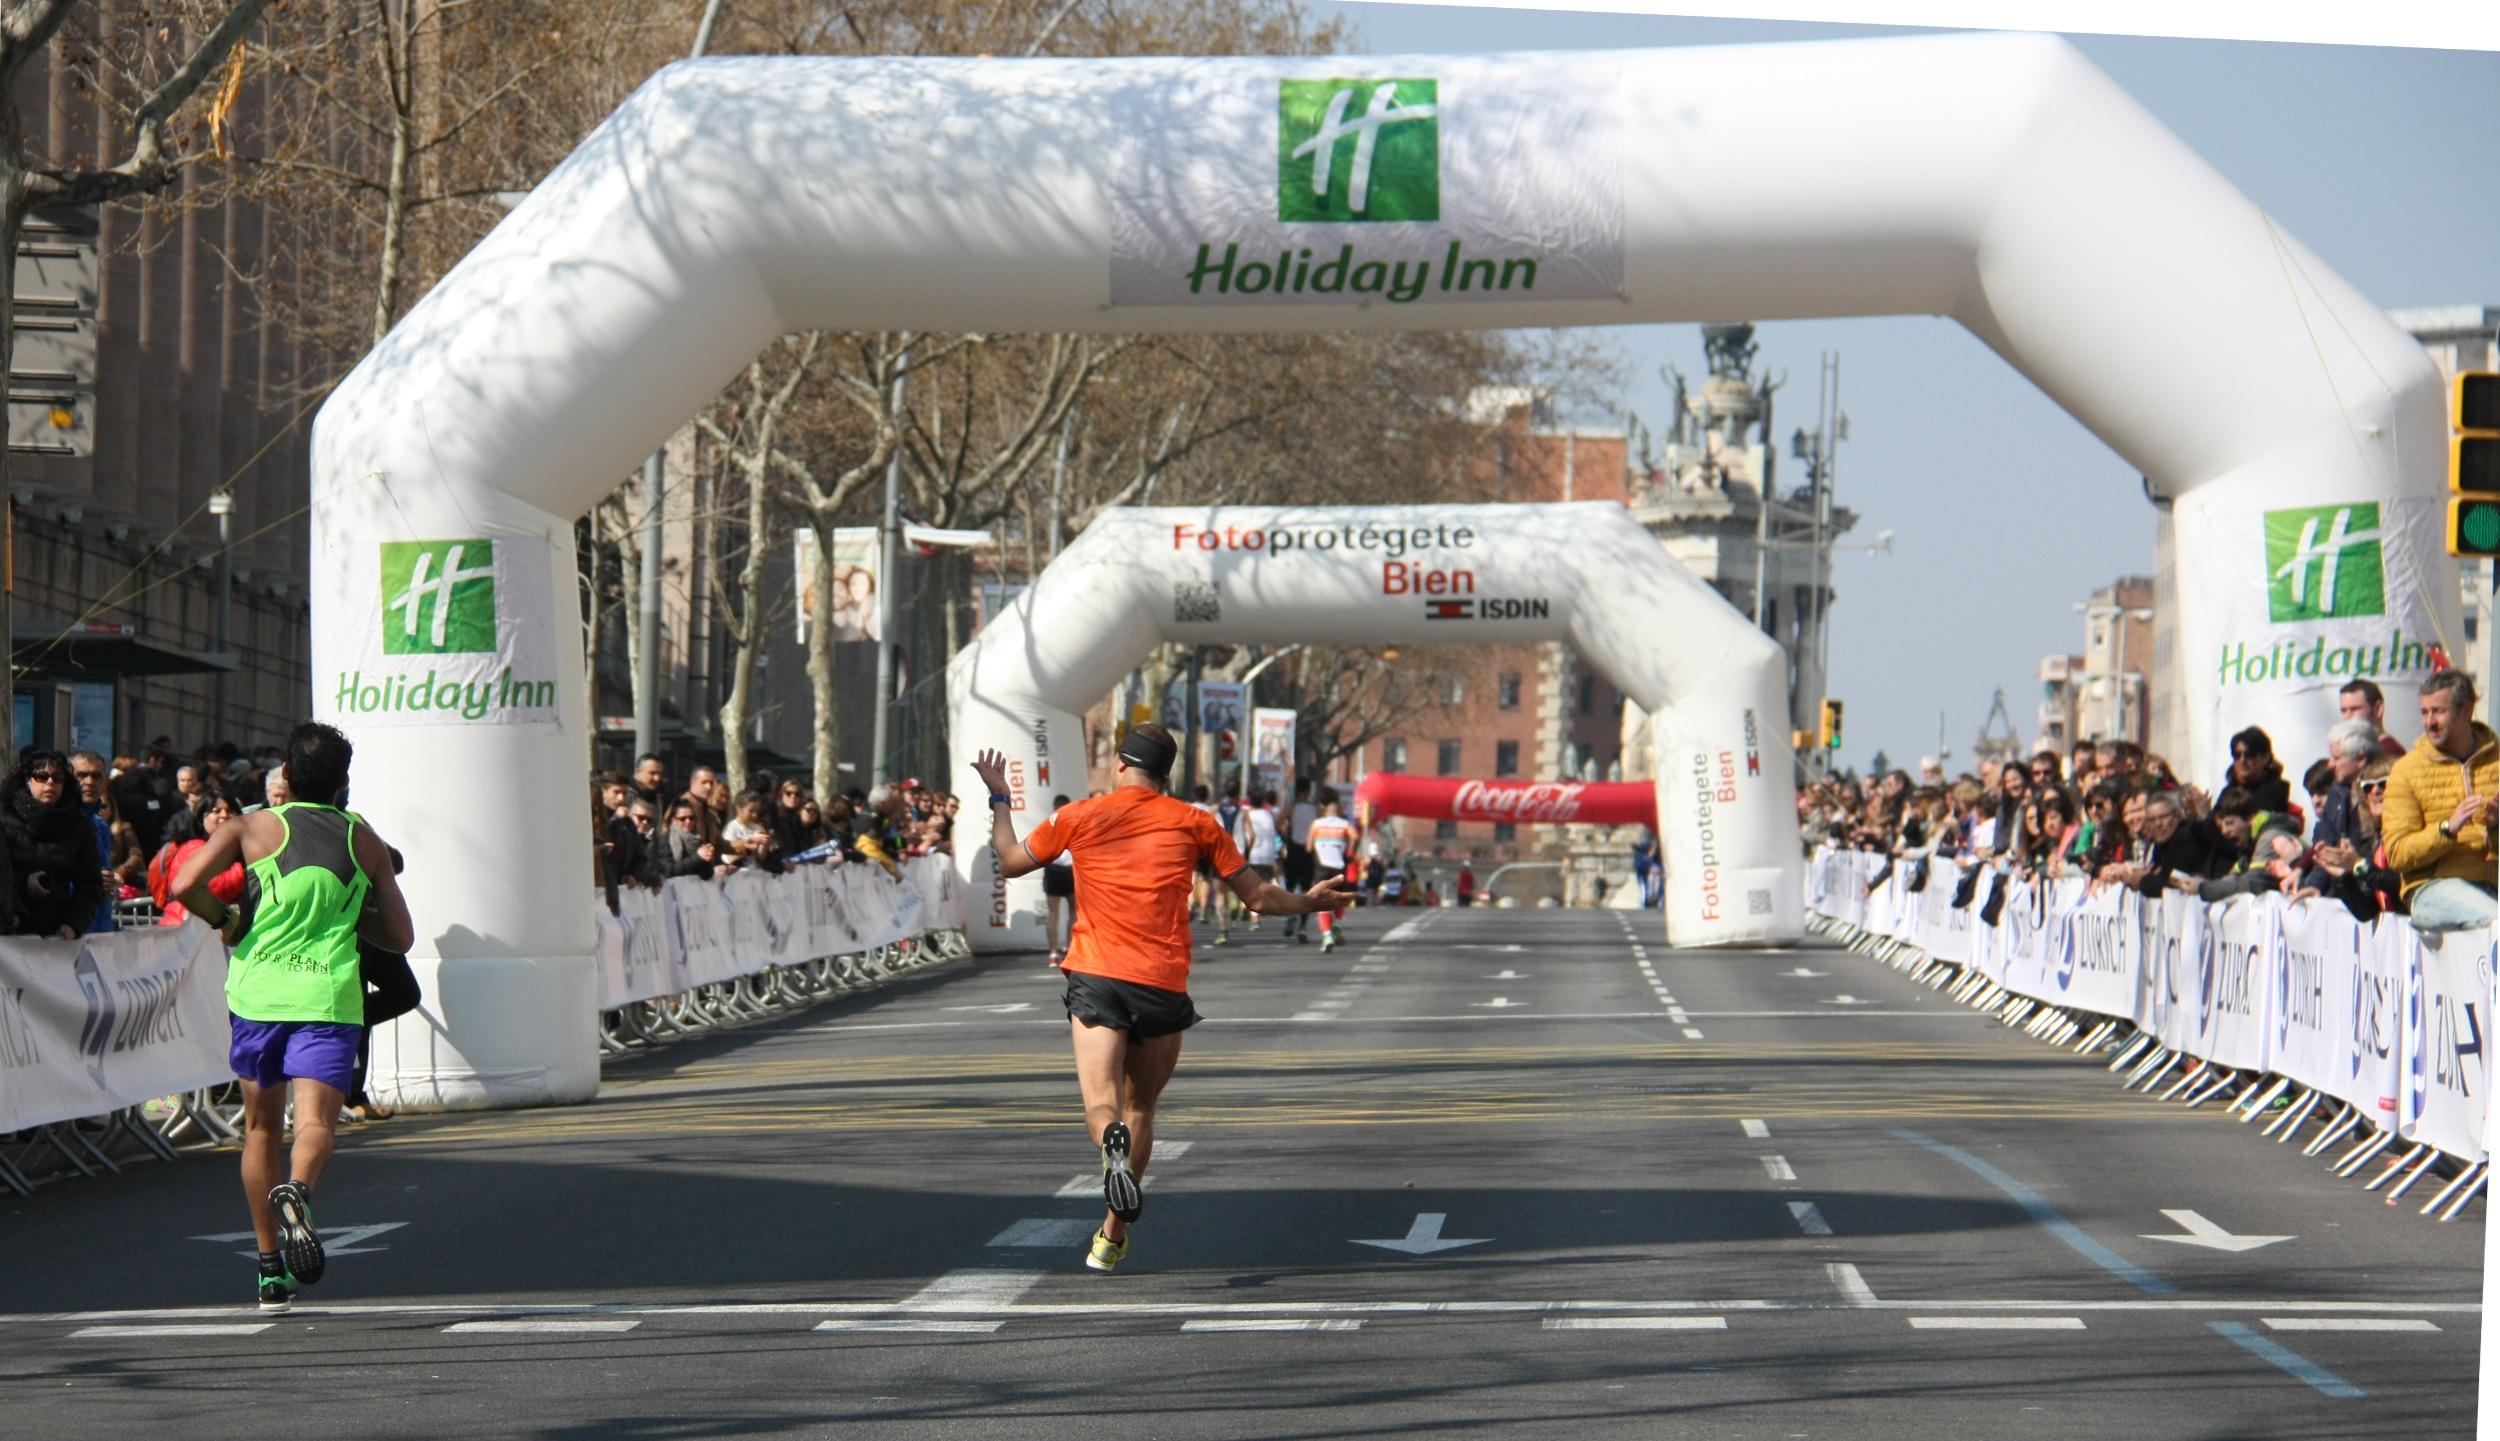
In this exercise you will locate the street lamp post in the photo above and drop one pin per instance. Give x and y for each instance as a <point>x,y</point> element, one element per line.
<point>1241,779</point>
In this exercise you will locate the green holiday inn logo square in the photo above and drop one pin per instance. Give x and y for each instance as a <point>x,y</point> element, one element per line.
<point>2323,563</point>
<point>438,596</point>
<point>1367,149</point>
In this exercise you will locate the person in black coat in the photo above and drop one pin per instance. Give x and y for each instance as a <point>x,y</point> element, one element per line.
<point>2186,851</point>
<point>2255,770</point>
<point>57,874</point>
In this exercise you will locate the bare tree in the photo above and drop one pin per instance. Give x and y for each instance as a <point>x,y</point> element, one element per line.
<point>749,437</point>
<point>150,75</point>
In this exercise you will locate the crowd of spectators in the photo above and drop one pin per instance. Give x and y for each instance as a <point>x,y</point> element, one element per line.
<point>646,832</point>
<point>80,834</point>
<point>2375,824</point>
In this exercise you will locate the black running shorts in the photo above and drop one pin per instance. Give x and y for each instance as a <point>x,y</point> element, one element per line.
<point>1144,1012</point>
<point>1059,881</point>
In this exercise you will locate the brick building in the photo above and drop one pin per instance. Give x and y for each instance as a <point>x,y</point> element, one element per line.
<point>1530,712</point>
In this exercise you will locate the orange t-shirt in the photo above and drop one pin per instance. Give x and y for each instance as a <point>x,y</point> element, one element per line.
<point>1134,851</point>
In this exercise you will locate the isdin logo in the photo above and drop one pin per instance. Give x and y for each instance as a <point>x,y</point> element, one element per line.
<point>438,596</point>
<point>2323,563</point>
<point>1358,150</point>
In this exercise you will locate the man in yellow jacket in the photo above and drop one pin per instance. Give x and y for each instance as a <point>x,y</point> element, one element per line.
<point>2442,800</point>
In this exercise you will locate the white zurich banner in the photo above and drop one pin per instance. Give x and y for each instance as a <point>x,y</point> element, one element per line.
<point>108,1021</point>
<point>2095,945</point>
<point>2445,1070</point>
<point>1306,184</point>
<point>2317,949</point>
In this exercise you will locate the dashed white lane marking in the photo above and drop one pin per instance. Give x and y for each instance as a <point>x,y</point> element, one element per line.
<point>972,1290</point>
<point>1756,1130</point>
<point>1317,1016</point>
<point>1273,1323</point>
<point>1777,1168</point>
<point>1691,1035</point>
<point>1050,1231</point>
<point>1403,931</point>
<point>1636,1323</point>
<point>1091,1185</point>
<point>2347,1323</point>
<point>1853,1287</point>
<point>1809,1218</point>
<point>1325,1005</point>
<point>858,1323</point>
<point>549,1327</point>
<point>1996,1323</point>
<point>2276,1310</point>
<point>1678,1014</point>
<point>234,1328</point>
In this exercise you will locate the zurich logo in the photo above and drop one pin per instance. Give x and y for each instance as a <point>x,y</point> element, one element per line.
<point>97,1033</point>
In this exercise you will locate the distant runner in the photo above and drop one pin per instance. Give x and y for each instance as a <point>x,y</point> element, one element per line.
<point>316,879</point>
<point>1331,839</point>
<point>1128,959</point>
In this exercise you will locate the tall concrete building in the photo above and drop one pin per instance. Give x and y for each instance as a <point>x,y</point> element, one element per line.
<point>2106,692</point>
<point>151,412</point>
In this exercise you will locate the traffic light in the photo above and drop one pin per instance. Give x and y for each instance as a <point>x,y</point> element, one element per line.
<point>1831,725</point>
<point>2474,463</point>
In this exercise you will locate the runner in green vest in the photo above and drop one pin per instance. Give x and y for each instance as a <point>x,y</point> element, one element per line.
<point>316,877</point>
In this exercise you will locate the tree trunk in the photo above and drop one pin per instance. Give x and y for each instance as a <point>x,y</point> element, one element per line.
<point>750,628</point>
<point>591,620</point>
<point>828,738</point>
<point>395,202</point>
<point>12,220</point>
<point>629,587</point>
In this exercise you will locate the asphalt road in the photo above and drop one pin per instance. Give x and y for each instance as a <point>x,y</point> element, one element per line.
<point>1676,1194</point>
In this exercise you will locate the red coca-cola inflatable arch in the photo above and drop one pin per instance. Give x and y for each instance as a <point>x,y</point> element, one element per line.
<point>1447,798</point>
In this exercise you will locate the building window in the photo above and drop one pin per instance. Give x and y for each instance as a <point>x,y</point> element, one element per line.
<point>1508,698</point>
<point>1504,833</point>
<point>1453,689</point>
<point>1448,759</point>
<point>1588,694</point>
<point>1506,758</point>
<point>1393,756</point>
<point>1445,830</point>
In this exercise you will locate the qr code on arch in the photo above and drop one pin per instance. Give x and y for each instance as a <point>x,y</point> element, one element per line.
<point>1757,903</point>
<point>1194,602</point>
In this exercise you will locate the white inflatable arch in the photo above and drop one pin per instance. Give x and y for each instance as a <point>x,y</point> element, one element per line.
<point>1586,574</point>
<point>2000,181</point>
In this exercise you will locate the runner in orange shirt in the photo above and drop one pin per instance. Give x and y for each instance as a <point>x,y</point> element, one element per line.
<point>1128,957</point>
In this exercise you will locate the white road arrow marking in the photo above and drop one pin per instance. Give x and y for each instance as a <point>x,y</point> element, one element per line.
<point>1802,971</point>
<point>1006,1010</point>
<point>2201,1232</point>
<point>1424,1237</point>
<point>1498,1003</point>
<point>1506,976</point>
<point>336,1241</point>
<point>1845,999</point>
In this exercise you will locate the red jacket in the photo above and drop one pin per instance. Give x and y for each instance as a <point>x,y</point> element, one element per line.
<point>227,885</point>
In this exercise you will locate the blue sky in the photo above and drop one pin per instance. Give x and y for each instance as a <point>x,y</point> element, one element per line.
<point>2006,512</point>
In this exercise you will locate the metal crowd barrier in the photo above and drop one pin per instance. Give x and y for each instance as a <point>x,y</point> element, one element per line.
<point>210,1117</point>
<point>773,991</point>
<point>2289,1108</point>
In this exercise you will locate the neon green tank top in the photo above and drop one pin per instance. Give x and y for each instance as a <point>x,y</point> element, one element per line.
<point>298,958</point>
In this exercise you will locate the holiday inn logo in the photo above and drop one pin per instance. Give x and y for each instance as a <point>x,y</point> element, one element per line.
<point>1365,149</point>
<point>2323,563</point>
<point>438,597</point>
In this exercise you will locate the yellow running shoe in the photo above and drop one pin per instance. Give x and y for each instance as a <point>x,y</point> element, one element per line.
<point>1105,1254</point>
